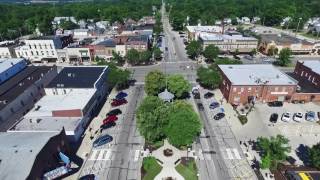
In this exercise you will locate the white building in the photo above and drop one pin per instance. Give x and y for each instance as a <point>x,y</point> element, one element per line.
<point>75,54</point>
<point>194,31</point>
<point>7,49</point>
<point>229,42</point>
<point>71,100</point>
<point>43,48</point>
<point>245,20</point>
<point>81,33</point>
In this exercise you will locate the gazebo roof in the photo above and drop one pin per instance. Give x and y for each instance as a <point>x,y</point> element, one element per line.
<point>166,95</point>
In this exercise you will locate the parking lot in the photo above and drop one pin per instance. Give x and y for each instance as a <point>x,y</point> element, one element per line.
<point>304,132</point>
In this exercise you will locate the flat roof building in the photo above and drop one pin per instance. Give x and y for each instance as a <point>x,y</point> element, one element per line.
<point>194,31</point>
<point>71,100</point>
<point>247,83</point>
<point>229,42</point>
<point>30,155</point>
<point>10,67</point>
<point>281,41</point>
<point>19,93</point>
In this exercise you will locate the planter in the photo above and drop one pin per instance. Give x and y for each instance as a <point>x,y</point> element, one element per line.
<point>168,152</point>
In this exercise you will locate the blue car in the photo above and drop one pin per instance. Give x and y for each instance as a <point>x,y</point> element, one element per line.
<point>102,140</point>
<point>121,95</point>
<point>311,116</point>
<point>214,105</point>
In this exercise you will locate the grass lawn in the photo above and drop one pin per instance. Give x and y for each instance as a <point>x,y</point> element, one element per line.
<point>150,168</point>
<point>189,171</point>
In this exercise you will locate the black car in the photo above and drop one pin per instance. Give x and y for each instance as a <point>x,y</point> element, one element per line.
<point>196,95</point>
<point>274,117</point>
<point>107,125</point>
<point>208,95</point>
<point>88,177</point>
<point>102,140</point>
<point>275,104</point>
<point>114,112</point>
<point>219,116</point>
<point>200,106</point>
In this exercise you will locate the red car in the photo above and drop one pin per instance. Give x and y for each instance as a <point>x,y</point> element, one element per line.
<point>109,119</point>
<point>119,102</point>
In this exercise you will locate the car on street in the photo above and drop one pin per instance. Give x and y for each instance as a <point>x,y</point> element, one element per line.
<point>275,104</point>
<point>114,112</point>
<point>286,117</point>
<point>121,95</point>
<point>118,102</point>
<point>102,140</point>
<point>311,116</point>
<point>298,117</point>
<point>88,177</point>
<point>274,117</point>
<point>108,125</point>
<point>219,116</point>
<point>200,106</point>
<point>208,95</point>
<point>214,105</point>
<point>111,118</point>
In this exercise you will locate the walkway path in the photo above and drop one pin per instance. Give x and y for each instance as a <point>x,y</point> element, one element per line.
<point>168,165</point>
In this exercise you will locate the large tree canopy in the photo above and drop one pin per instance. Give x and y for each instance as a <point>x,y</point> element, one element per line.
<point>194,48</point>
<point>314,156</point>
<point>178,85</point>
<point>273,150</point>
<point>155,82</point>
<point>183,124</point>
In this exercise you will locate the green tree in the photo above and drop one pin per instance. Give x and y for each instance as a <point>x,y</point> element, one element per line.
<point>133,57</point>
<point>117,77</point>
<point>209,77</point>
<point>253,52</point>
<point>117,58</point>
<point>275,149</point>
<point>194,48</point>
<point>285,57</point>
<point>211,52</point>
<point>68,25</point>
<point>227,61</point>
<point>157,53</point>
<point>183,124</point>
<point>151,118</point>
<point>155,82</point>
<point>272,51</point>
<point>178,85</point>
<point>266,161</point>
<point>145,56</point>
<point>314,155</point>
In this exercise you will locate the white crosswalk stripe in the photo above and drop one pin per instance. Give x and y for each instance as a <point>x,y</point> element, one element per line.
<point>232,154</point>
<point>100,155</point>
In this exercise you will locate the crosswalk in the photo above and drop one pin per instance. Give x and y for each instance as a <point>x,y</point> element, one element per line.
<point>100,155</point>
<point>231,153</point>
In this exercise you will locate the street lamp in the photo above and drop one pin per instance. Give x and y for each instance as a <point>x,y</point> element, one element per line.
<point>298,26</point>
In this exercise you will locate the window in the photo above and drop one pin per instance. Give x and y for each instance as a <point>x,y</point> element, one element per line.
<point>32,53</point>
<point>52,53</point>
<point>51,46</point>
<point>306,74</point>
<point>249,88</point>
<point>242,89</point>
<point>284,89</point>
<point>234,89</point>
<point>276,89</point>
<point>224,82</point>
<point>309,78</point>
<point>302,73</point>
<point>37,53</point>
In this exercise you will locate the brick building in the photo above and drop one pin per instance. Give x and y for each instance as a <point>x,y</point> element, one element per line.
<point>249,83</point>
<point>308,71</point>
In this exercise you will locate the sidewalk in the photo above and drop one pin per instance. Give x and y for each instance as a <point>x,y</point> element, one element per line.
<point>86,144</point>
<point>168,165</point>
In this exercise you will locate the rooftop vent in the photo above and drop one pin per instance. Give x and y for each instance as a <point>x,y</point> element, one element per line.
<point>37,108</point>
<point>277,76</point>
<point>38,120</point>
<point>230,67</point>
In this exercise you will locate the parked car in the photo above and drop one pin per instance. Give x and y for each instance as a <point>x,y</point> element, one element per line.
<point>88,177</point>
<point>121,95</point>
<point>200,106</point>
<point>298,117</point>
<point>108,125</point>
<point>114,112</point>
<point>311,116</point>
<point>286,117</point>
<point>214,105</point>
<point>274,117</point>
<point>219,116</point>
<point>248,57</point>
<point>275,104</point>
<point>119,102</point>
<point>102,140</point>
<point>111,118</point>
<point>208,95</point>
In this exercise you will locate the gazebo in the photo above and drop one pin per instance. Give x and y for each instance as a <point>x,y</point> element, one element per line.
<point>166,96</point>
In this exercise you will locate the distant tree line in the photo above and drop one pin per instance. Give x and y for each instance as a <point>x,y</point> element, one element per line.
<point>19,19</point>
<point>271,12</point>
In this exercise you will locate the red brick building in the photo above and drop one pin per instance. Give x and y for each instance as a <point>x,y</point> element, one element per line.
<point>248,83</point>
<point>308,71</point>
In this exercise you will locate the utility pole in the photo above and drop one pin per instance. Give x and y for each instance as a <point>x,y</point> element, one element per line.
<point>298,27</point>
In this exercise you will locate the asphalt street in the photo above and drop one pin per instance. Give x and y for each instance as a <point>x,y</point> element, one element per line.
<point>119,159</point>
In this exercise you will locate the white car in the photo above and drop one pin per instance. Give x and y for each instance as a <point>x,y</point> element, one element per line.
<point>286,117</point>
<point>298,117</point>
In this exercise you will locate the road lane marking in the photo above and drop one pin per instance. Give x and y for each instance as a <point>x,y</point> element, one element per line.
<point>236,153</point>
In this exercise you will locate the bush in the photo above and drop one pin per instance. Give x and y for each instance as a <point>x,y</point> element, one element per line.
<point>243,119</point>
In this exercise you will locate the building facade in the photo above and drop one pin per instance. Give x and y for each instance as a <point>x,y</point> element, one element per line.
<point>193,32</point>
<point>7,49</point>
<point>43,48</point>
<point>10,67</point>
<point>243,84</point>
<point>308,71</point>
<point>229,42</point>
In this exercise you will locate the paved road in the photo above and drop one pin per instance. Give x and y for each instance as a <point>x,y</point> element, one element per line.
<point>120,159</point>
